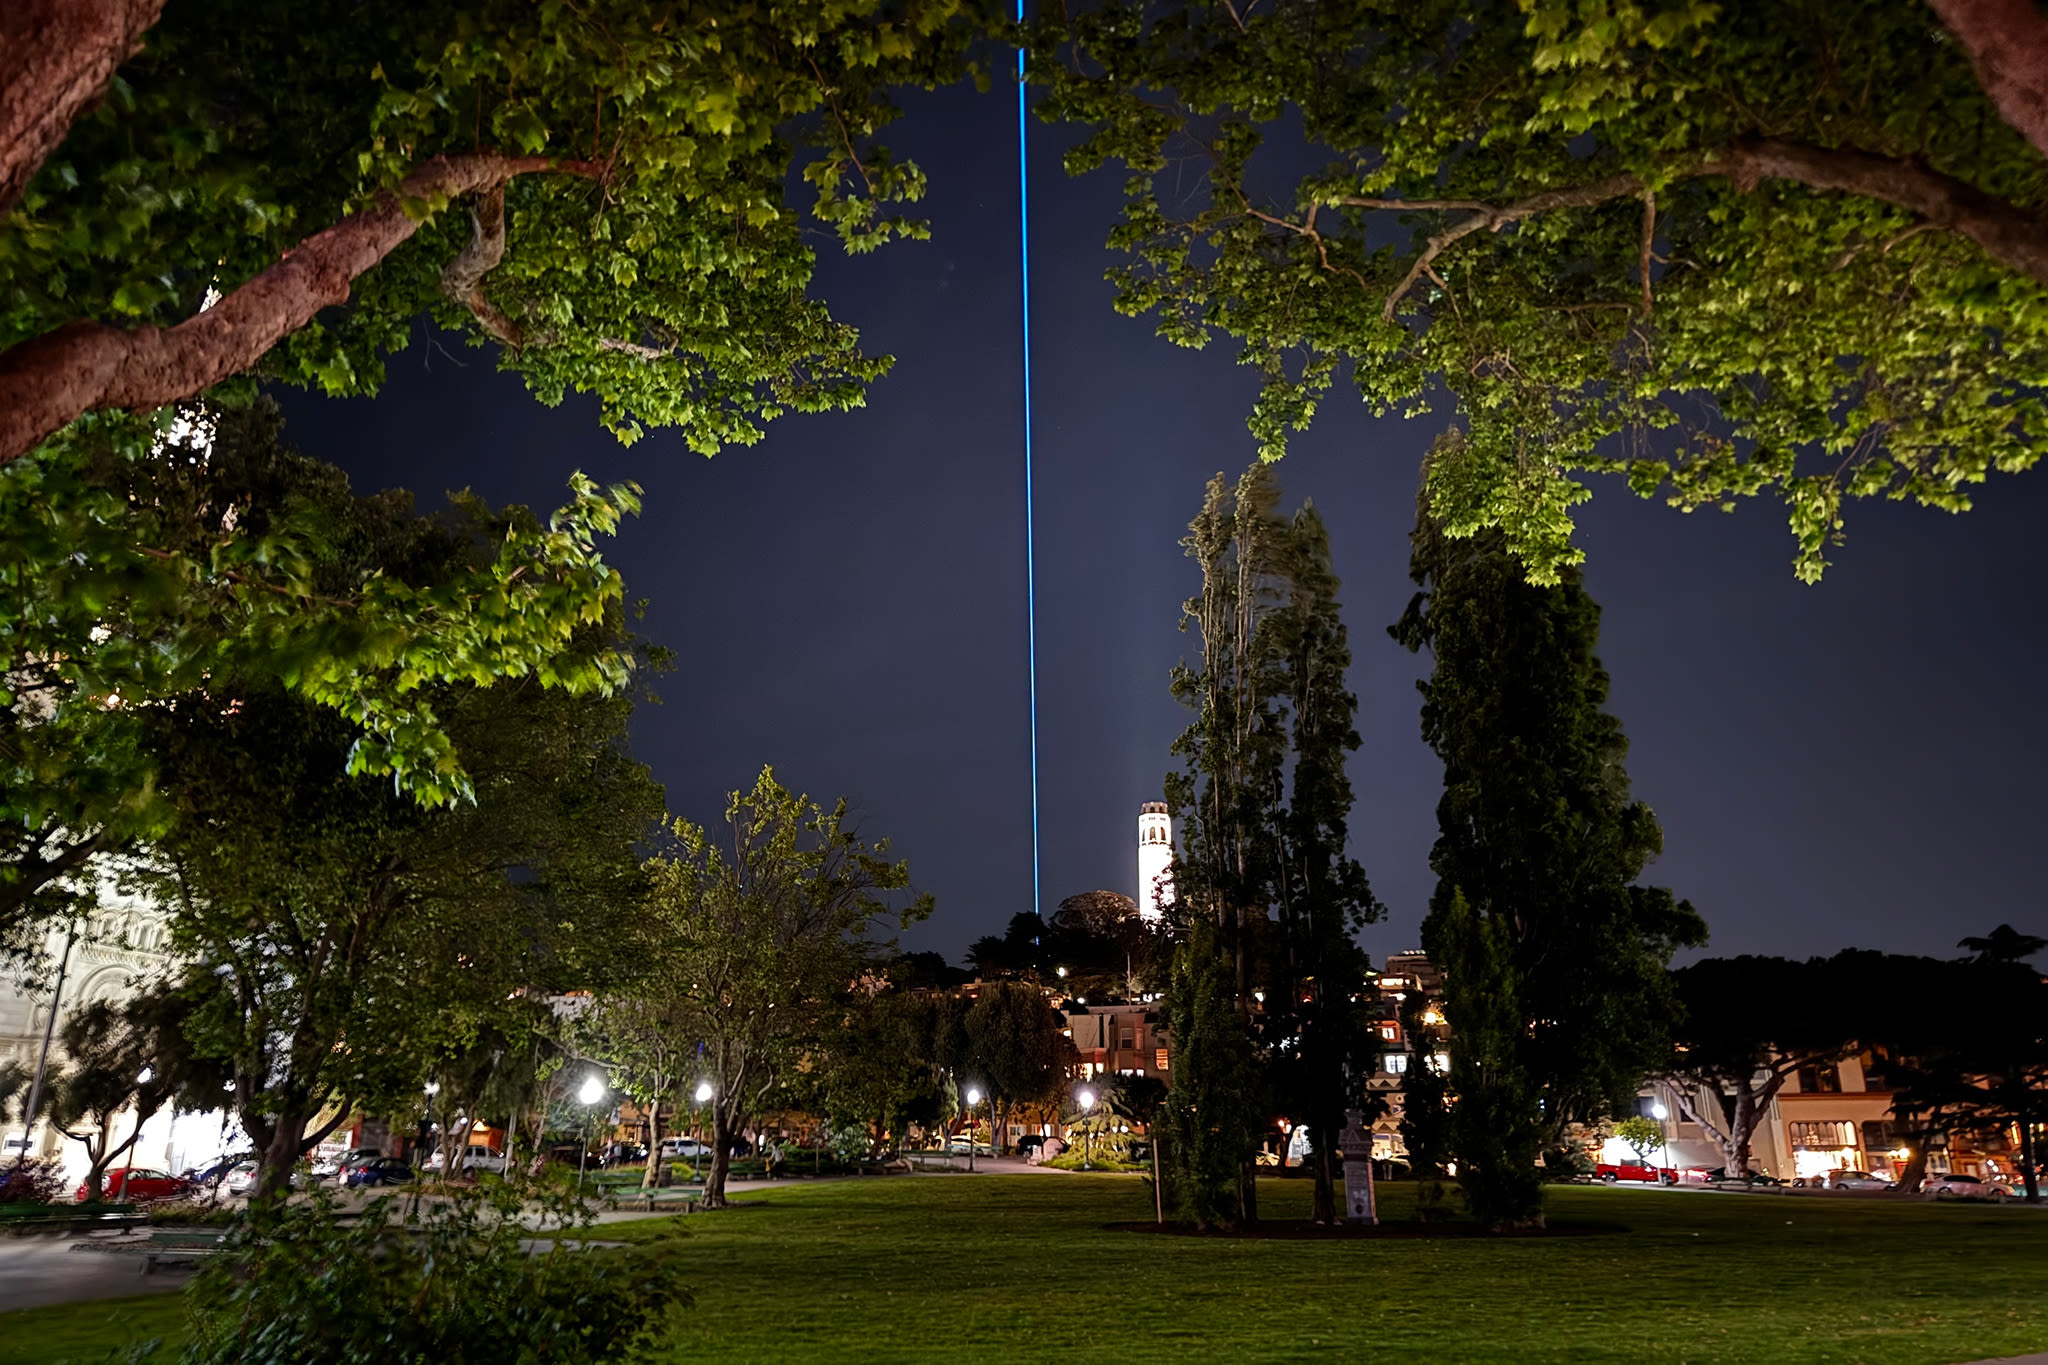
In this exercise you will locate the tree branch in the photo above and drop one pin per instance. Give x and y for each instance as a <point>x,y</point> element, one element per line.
<point>2015,239</point>
<point>2007,43</point>
<point>462,279</point>
<point>56,57</point>
<point>1649,236</point>
<point>85,365</point>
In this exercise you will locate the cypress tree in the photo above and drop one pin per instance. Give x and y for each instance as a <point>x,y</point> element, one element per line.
<point>1556,991</point>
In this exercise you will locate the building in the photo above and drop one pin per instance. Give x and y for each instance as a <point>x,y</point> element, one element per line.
<point>120,949</point>
<point>1122,1039</point>
<point>1155,860</point>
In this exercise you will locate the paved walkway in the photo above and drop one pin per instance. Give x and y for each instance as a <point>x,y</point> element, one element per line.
<point>41,1270</point>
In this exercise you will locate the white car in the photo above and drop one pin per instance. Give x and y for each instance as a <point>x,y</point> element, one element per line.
<point>1857,1180</point>
<point>685,1149</point>
<point>475,1157</point>
<point>1965,1187</point>
<point>241,1179</point>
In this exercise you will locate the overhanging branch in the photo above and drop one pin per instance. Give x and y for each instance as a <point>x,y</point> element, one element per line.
<point>86,365</point>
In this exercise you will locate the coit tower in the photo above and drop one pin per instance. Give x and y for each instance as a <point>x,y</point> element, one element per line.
<point>1155,858</point>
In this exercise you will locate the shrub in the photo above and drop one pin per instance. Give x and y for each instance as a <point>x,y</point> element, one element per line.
<point>29,1181</point>
<point>437,1282</point>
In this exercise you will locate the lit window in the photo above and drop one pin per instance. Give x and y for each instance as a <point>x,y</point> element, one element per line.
<point>1397,1063</point>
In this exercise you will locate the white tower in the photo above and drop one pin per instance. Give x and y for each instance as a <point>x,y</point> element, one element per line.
<point>1155,857</point>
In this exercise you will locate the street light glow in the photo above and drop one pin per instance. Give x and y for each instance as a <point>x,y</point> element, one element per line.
<point>433,1087</point>
<point>1659,1112</point>
<point>973,1097</point>
<point>1087,1098</point>
<point>703,1092</point>
<point>591,1091</point>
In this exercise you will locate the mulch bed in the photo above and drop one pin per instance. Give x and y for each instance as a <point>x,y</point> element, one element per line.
<point>1302,1230</point>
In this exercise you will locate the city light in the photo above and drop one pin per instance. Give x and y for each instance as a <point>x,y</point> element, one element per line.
<point>704,1092</point>
<point>973,1097</point>
<point>1659,1112</point>
<point>591,1091</point>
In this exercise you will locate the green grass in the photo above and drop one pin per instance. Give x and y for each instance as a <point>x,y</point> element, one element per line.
<point>912,1268</point>
<point>89,1331</point>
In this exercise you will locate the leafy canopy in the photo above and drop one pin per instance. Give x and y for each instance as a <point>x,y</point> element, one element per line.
<point>634,243</point>
<point>1725,250</point>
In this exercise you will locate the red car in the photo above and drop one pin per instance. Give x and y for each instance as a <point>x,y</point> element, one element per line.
<point>135,1185</point>
<point>1660,1175</point>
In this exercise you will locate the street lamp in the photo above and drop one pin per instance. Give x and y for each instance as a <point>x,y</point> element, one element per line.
<point>590,1092</point>
<point>704,1093</point>
<point>1660,1113</point>
<point>1087,1098</point>
<point>973,1098</point>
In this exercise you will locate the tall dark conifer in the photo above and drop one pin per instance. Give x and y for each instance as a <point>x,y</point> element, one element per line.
<point>1317,1006</point>
<point>1554,961</point>
<point>1268,996</point>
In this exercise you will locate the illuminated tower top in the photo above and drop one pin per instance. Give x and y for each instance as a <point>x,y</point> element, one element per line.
<point>1155,858</point>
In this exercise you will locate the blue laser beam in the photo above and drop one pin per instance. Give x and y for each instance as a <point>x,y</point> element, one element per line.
<point>1030,547</point>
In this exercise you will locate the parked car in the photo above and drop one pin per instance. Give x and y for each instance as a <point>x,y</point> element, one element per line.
<point>378,1170</point>
<point>1718,1175</point>
<point>960,1143</point>
<point>136,1185</point>
<point>1965,1187</point>
<point>216,1170</point>
<point>241,1178</point>
<point>1856,1180</point>
<point>475,1157</point>
<point>334,1164</point>
<point>685,1149</point>
<point>1625,1170</point>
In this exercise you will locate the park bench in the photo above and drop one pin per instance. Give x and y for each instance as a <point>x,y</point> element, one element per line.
<point>70,1217</point>
<point>166,1246</point>
<point>677,1198</point>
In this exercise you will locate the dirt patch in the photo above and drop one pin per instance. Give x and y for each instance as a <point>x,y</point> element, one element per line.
<point>1302,1230</point>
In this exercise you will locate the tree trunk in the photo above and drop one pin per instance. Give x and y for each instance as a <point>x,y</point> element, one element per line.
<point>721,1156</point>
<point>1740,1129</point>
<point>1323,1163</point>
<point>276,1159</point>
<point>2007,43</point>
<point>56,57</point>
<point>2029,1172</point>
<point>652,1177</point>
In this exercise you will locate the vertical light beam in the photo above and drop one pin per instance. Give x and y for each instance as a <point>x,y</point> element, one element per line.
<point>1030,547</point>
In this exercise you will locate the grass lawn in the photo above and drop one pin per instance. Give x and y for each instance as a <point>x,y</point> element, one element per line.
<point>916,1268</point>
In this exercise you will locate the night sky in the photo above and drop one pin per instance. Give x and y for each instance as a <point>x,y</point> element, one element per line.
<point>1854,764</point>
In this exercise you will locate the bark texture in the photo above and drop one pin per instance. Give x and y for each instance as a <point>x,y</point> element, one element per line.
<point>56,57</point>
<point>2007,43</point>
<point>85,365</point>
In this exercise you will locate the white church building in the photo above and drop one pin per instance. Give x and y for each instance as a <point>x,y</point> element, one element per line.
<point>118,950</point>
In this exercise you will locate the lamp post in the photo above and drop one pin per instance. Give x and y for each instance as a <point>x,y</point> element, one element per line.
<point>1087,1098</point>
<point>704,1093</point>
<point>1660,1113</point>
<point>973,1098</point>
<point>589,1093</point>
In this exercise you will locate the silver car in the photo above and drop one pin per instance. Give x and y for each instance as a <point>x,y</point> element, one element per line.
<point>1964,1187</point>
<point>1857,1180</point>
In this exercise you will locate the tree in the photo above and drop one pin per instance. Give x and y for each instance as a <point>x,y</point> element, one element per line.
<point>1800,257</point>
<point>1268,800</point>
<point>1554,959</point>
<point>1986,1070</point>
<point>109,1075</point>
<point>1213,1108</point>
<point>1748,1024</point>
<point>1017,1049</point>
<point>1425,1106</point>
<point>1643,1136</point>
<point>342,938</point>
<point>140,573</point>
<point>763,944</point>
<point>1320,1007</point>
<point>622,167</point>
